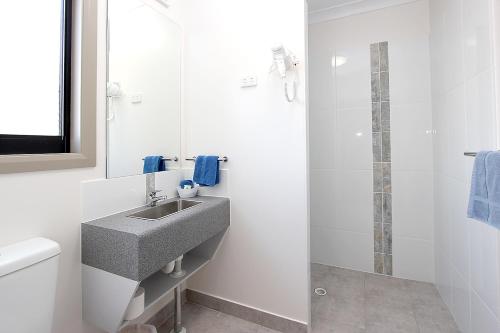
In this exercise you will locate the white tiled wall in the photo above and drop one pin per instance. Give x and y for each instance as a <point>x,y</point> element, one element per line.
<point>467,252</point>
<point>341,143</point>
<point>103,197</point>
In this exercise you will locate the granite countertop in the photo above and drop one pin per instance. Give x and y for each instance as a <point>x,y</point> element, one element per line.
<point>136,248</point>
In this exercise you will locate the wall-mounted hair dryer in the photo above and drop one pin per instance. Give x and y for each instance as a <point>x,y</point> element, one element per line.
<point>284,61</point>
<point>114,90</point>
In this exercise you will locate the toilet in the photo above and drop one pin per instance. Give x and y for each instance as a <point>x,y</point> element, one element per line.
<point>28,278</point>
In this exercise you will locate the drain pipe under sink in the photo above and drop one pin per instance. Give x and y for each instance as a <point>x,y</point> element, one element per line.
<point>177,274</point>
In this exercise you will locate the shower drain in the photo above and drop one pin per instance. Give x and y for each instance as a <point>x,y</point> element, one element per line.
<point>320,291</point>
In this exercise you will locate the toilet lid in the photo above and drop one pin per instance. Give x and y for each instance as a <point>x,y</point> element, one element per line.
<point>26,253</point>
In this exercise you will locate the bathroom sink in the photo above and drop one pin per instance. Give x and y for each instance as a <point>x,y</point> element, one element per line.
<point>163,210</point>
<point>122,245</point>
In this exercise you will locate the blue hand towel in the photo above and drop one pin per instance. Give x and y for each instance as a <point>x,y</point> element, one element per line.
<point>206,170</point>
<point>478,200</point>
<point>154,164</point>
<point>493,187</point>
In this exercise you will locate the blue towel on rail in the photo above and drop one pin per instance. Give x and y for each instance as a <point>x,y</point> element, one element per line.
<point>493,187</point>
<point>206,170</point>
<point>478,200</point>
<point>484,201</point>
<point>154,164</point>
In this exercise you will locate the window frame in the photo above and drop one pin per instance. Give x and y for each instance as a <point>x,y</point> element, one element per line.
<point>86,84</point>
<point>12,144</point>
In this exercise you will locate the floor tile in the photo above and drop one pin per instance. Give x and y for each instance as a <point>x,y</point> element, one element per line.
<point>371,303</point>
<point>323,327</point>
<point>356,302</point>
<point>198,319</point>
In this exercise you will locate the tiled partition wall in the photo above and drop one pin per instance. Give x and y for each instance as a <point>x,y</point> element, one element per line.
<point>381,146</point>
<point>342,168</point>
<point>463,93</point>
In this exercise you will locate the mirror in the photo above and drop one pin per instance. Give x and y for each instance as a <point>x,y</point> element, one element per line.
<point>144,86</point>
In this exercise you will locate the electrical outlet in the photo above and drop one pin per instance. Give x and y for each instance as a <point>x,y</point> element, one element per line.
<point>248,81</point>
<point>136,98</point>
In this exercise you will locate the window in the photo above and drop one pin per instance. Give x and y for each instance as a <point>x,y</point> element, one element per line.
<point>35,76</point>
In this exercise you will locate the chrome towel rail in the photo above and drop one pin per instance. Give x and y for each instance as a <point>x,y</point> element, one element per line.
<point>221,159</point>
<point>175,159</point>
<point>471,154</point>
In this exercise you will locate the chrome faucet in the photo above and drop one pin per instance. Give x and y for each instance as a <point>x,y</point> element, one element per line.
<point>153,198</point>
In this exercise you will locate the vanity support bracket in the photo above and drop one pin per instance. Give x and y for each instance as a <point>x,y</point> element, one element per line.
<point>106,296</point>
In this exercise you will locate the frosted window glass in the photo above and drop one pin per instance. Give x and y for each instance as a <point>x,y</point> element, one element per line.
<point>30,56</point>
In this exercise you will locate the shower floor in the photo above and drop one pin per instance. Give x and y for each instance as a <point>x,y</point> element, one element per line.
<point>361,302</point>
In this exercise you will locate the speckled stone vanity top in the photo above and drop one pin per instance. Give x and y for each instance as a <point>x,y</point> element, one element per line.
<point>135,248</point>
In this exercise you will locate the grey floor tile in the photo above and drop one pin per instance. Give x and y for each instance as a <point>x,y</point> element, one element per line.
<point>380,288</point>
<point>198,319</point>
<point>327,327</point>
<point>363,302</point>
<point>319,272</point>
<point>338,278</point>
<point>391,328</point>
<point>265,330</point>
<point>435,319</point>
<point>391,317</point>
<point>345,299</point>
<point>356,303</point>
<point>339,310</point>
<point>422,291</point>
<point>431,312</point>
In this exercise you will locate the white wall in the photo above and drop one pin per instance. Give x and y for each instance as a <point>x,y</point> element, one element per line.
<point>145,57</point>
<point>263,262</point>
<point>47,204</point>
<point>341,142</point>
<point>463,94</point>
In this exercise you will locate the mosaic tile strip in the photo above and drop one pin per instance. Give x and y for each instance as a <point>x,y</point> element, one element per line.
<point>381,147</point>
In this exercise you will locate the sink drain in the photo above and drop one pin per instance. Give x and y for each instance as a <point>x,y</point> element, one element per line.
<point>320,291</point>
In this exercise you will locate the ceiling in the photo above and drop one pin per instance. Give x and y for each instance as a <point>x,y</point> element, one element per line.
<point>315,5</point>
